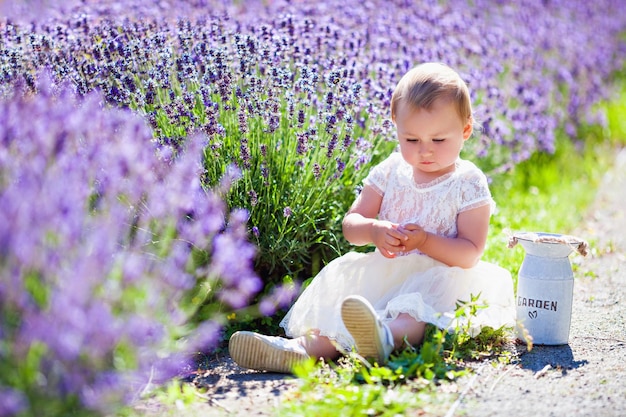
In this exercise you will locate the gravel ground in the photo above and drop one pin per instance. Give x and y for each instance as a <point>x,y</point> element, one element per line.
<point>586,377</point>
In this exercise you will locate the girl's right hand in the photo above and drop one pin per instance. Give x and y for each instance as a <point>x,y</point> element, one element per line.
<point>387,238</point>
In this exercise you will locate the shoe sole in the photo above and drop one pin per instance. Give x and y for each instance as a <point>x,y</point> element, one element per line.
<point>360,320</point>
<point>251,351</point>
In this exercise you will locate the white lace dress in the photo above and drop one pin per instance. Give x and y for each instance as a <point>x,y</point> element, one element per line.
<point>412,283</point>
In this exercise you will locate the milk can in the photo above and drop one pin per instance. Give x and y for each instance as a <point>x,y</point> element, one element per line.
<point>545,286</point>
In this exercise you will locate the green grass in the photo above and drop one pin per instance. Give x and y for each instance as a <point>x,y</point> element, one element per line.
<point>407,384</point>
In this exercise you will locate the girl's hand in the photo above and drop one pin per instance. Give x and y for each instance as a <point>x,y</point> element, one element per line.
<point>388,238</point>
<point>416,236</point>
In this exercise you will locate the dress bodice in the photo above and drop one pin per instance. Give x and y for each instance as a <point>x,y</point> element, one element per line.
<point>434,205</point>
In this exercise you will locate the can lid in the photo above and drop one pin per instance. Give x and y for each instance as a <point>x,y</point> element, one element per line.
<point>579,245</point>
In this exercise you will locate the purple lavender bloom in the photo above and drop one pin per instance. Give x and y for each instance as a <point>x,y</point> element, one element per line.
<point>280,297</point>
<point>231,261</point>
<point>207,334</point>
<point>233,173</point>
<point>12,402</point>
<point>317,171</point>
<point>332,144</point>
<point>301,117</point>
<point>97,274</point>
<point>302,146</point>
<point>254,198</point>
<point>35,10</point>
<point>244,150</point>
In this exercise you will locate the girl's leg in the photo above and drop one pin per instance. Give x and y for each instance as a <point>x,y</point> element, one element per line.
<point>405,326</point>
<point>319,347</point>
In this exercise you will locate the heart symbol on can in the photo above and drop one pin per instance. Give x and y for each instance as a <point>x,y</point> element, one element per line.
<point>532,314</point>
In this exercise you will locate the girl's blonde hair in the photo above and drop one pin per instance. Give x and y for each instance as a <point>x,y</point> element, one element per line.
<point>425,83</point>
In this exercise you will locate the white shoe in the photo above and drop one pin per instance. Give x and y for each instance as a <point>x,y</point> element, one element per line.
<point>372,337</point>
<point>265,353</point>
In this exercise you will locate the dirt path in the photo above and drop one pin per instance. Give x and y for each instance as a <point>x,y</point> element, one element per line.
<point>586,377</point>
<point>230,391</point>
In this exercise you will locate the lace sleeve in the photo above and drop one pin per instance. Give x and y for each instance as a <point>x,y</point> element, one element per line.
<point>475,191</point>
<point>378,177</point>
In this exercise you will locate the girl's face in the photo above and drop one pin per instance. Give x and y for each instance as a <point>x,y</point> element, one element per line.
<point>431,140</point>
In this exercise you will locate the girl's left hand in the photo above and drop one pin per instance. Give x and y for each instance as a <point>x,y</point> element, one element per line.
<point>416,236</point>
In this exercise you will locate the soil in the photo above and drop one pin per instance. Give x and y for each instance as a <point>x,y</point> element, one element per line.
<point>586,377</point>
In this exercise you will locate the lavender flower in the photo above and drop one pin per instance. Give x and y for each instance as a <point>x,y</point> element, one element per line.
<point>12,402</point>
<point>332,144</point>
<point>244,150</point>
<point>317,171</point>
<point>302,146</point>
<point>280,297</point>
<point>96,276</point>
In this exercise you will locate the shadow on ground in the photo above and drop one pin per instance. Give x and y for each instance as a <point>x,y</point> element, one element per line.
<point>558,357</point>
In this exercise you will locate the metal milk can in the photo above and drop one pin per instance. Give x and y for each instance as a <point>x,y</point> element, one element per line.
<point>545,286</point>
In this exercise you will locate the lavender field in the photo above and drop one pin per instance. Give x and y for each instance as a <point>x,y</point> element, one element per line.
<point>165,163</point>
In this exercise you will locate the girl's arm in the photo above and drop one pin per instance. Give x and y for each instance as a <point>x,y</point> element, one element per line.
<point>465,250</point>
<point>361,226</point>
